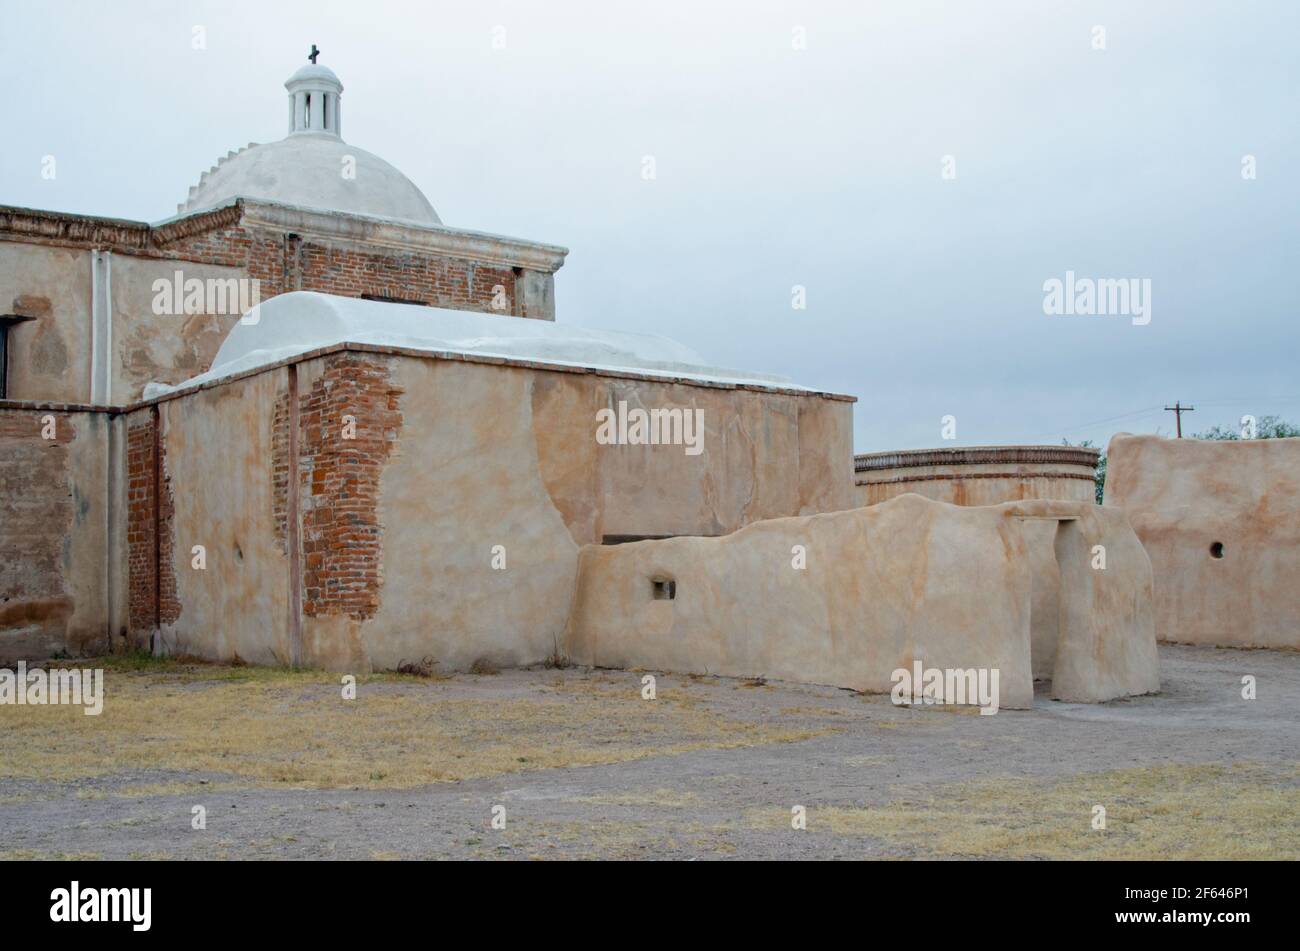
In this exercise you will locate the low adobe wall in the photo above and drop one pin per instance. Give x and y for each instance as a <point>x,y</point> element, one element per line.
<point>979,475</point>
<point>908,580</point>
<point>1221,523</point>
<point>55,515</point>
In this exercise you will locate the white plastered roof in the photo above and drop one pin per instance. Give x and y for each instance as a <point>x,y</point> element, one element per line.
<point>299,322</point>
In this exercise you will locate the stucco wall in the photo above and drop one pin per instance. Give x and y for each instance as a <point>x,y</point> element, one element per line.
<point>1185,495</point>
<point>217,465</point>
<point>55,513</point>
<point>765,455</point>
<point>167,348</point>
<point>400,523</point>
<point>884,586</point>
<point>49,357</point>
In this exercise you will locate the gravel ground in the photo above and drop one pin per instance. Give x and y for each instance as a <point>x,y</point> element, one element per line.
<point>864,755</point>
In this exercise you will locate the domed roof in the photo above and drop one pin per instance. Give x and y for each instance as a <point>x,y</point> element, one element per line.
<point>314,71</point>
<point>308,170</point>
<point>312,167</point>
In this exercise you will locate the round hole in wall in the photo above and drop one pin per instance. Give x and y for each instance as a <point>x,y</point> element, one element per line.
<point>1216,550</point>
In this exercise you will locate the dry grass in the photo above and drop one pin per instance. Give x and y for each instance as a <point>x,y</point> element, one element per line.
<point>266,726</point>
<point>1163,812</point>
<point>35,855</point>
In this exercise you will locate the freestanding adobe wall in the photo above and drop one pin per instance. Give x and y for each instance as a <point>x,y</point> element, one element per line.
<point>1221,523</point>
<point>882,587</point>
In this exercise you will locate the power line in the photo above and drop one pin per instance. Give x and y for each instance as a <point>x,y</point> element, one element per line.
<point>1151,410</point>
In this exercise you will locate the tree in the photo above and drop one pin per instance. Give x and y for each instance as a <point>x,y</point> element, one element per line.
<point>1099,478</point>
<point>1266,427</point>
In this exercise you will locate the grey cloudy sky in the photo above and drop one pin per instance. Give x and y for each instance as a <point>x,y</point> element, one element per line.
<point>819,167</point>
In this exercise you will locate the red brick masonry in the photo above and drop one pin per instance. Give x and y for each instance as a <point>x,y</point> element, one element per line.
<point>342,540</point>
<point>151,595</point>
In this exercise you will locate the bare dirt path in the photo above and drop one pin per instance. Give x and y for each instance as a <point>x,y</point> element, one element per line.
<point>712,768</point>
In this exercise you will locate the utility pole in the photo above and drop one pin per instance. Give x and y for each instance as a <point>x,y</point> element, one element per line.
<point>1178,409</point>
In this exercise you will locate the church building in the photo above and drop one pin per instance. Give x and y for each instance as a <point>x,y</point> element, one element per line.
<point>303,421</point>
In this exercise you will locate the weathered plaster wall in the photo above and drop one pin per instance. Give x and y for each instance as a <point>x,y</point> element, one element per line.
<point>167,348</point>
<point>907,580</point>
<point>218,465</point>
<point>764,455</point>
<point>49,357</point>
<point>54,530</point>
<point>399,519</point>
<point>1185,495</point>
<point>463,480</point>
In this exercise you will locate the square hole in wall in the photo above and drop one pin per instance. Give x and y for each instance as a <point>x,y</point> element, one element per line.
<point>665,589</point>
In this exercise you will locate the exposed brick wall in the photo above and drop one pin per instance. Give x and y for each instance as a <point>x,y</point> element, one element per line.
<point>342,539</point>
<point>285,264</point>
<point>280,471</point>
<point>150,567</point>
<point>442,282</point>
<point>36,513</point>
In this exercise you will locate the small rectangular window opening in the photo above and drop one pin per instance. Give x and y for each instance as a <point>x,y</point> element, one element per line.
<point>665,589</point>
<point>7,322</point>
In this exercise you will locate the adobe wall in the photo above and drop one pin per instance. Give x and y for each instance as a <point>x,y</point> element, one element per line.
<point>49,357</point>
<point>211,486</point>
<point>166,348</point>
<point>448,526</point>
<point>1187,496</point>
<point>908,580</point>
<point>978,475</point>
<point>55,518</point>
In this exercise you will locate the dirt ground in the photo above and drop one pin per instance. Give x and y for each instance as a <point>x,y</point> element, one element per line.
<point>583,767</point>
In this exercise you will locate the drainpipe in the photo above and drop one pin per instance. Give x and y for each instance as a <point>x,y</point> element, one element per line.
<point>101,327</point>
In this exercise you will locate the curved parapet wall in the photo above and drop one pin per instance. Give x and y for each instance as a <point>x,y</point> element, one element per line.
<point>977,475</point>
<point>1221,523</point>
<point>1013,587</point>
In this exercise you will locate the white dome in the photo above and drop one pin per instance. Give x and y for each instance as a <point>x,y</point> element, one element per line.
<point>314,72</point>
<point>313,167</point>
<point>306,169</point>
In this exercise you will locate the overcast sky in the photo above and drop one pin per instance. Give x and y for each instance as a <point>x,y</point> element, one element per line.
<point>775,166</point>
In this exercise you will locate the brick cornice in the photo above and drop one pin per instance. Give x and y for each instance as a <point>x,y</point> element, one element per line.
<point>961,477</point>
<point>977,455</point>
<point>36,226</point>
<point>62,229</point>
